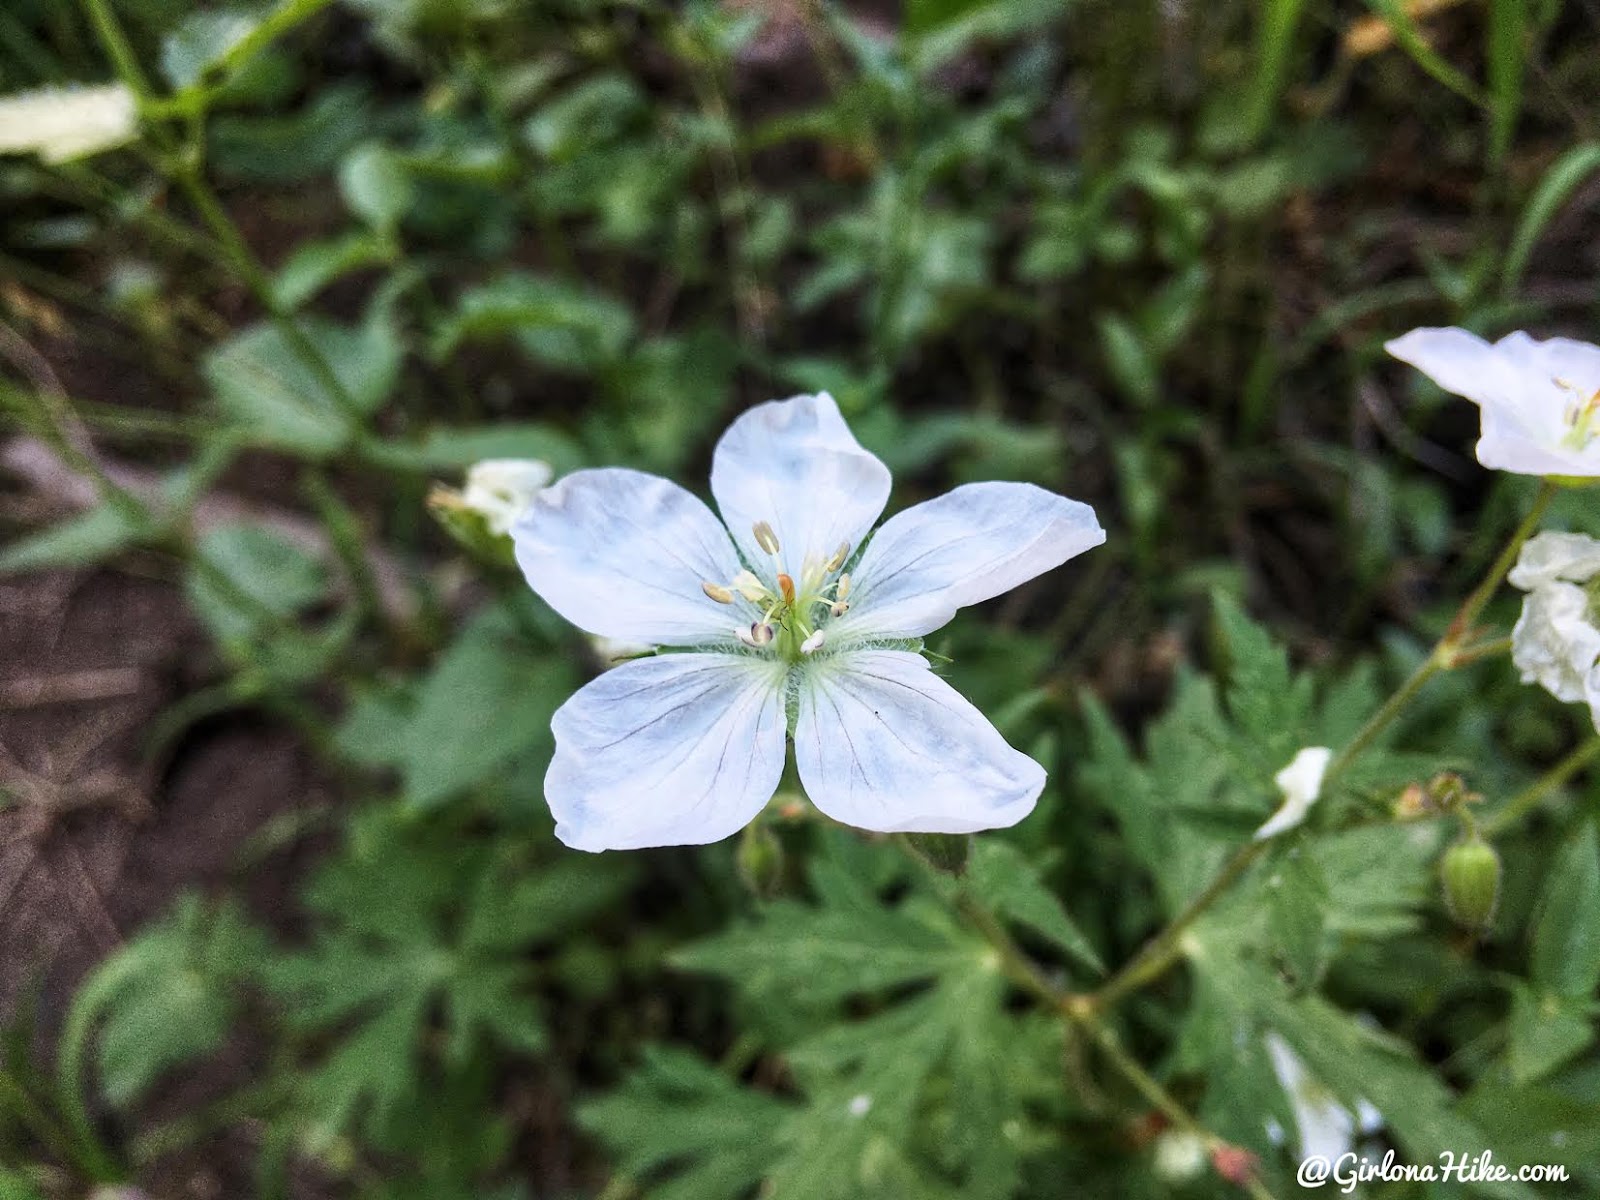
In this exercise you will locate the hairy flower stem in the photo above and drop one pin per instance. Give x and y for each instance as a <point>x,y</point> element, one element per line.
<point>1451,651</point>
<point>1519,805</point>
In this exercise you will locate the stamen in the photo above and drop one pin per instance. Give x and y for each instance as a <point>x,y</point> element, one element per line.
<point>717,592</point>
<point>786,586</point>
<point>748,586</point>
<point>813,643</point>
<point>838,608</point>
<point>765,538</point>
<point>838,559</point>
<point>842,588</point>
<point>756,636</point>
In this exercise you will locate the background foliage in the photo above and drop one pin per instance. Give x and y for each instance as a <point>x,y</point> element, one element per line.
<point>1145,254</point>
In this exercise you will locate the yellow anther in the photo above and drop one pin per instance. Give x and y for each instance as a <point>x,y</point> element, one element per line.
<point>786,586</point>
<point>717,592</point>
<point>764,536</point>
<point>838,559</point>
<point>842,588</point>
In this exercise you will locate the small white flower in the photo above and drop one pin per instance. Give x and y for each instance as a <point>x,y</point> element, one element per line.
<point>685,748</point>
<point>1327,1128</point>
<point>1301,784</point>
<point>1555,642</point>
<point>60,124</point>
<point>500,489</point>
<point>860,1105</point>
<point>1540,400</point>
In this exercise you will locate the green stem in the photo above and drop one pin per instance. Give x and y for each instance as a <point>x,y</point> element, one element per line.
<point>1103,1036</point>
<point>1447,653</point>
<point>1165,948</point>
<point>1556,777</point>
<point>1080,1011</point>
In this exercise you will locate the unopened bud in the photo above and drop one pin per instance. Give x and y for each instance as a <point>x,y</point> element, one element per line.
<point>468,527</point>
<point>947,852</point>
<point>764,536</point>
<point>1179,1156</point>
<point>1470,873</point>
<point>760,860</point>
<point>1233,1163</point>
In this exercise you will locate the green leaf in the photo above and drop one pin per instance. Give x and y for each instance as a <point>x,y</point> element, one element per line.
<point>676,1113</point>
<point>79,541</point>
<point>252,579</point>
<point>555,322</point>
<point>202,41</point>
<point>314,265</point>
<point>1554,190</point>
<point>1009,884</point>
<point>1297,903</point>
<point>1566,929</point>
<point>1545,1032</point>
<point>265,383</point>
<point>1133,368</point>
<point>493,683</point>
<point>171,994</point>
<point>376,185</point>
<point>441,448</point>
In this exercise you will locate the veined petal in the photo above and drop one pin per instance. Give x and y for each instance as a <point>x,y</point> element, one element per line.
<point>622,554</point>
<point>677,750</point>
<point>968,545</point>
<point>883,743</point>
<point>795,465</point>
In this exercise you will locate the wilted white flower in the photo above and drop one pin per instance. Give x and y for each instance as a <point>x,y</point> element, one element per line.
<point>1555,642</point>
<point>500,489</point>
<point>1540,401</point>
<point>60,124</point>
<point>685,748</point>
<point>1301,784</point>
<point>1327,1128</point>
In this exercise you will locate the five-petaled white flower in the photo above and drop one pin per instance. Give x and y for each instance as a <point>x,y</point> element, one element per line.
<point>771,632</point>
<point>1540,400</point>
<point>1555,642</point>
<point>60,124</point>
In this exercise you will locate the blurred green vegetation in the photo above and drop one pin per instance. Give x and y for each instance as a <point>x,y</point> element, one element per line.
<point>1142,253</point>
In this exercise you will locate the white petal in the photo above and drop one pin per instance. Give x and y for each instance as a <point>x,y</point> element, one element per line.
<point>965,546</point>
<point>883,743</point>
<point>677,750</point>
<point>1553,555</point>
<point>1326,1126</point>
<point>796,465</point>
<point>1456,360</point>
<point>1301,784</point>
<point>502,488</point>
<point>622,554</point>
<point>1554,642</point>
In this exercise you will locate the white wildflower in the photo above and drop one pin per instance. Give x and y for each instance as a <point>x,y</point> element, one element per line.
<point>500,489</point>
<point>685,748</point>
<point>1327,1128</point>
<point>1540,401</point>
<point>1555,642</point>
<point>1301,784</point>
<point>60,124</point>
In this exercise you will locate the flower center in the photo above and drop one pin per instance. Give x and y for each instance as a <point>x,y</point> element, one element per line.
<point>792,615</point>
<point>1582,413</point>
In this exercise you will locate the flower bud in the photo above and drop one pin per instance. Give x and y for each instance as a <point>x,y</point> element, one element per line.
<point>947,852</point>
<point>760,860</point>
<point>1470,873</point>
<point>468,527</point>
<point>1179,1156</point>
